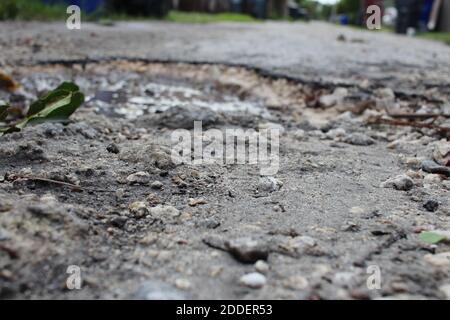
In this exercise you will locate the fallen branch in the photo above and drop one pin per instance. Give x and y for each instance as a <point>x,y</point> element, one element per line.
<point>66,184</point>
<point>394,122</point>
<point>418,116</point>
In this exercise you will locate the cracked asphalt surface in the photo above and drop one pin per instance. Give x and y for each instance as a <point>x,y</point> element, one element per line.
<point>305,51</point>
<point>315,234</point>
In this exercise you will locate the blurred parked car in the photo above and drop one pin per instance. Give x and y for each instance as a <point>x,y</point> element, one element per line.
<point>408,15</point>
<point>296,12</point>
<point>157,8</point>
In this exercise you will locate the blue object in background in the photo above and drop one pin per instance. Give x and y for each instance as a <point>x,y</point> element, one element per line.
<point>87,6</point>
<point>427,6</point>
<point>344,20</point>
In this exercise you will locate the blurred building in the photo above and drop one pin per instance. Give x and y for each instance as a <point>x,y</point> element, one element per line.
<point>261,9</point>
<point>258,8</point>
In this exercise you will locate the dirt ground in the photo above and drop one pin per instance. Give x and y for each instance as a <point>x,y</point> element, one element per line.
<point>103,194</point>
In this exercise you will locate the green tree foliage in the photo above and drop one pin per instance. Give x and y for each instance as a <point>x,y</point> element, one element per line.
<point>8,9</point>
<point>315,9</point>
<point>30,10</point>
<point>351,8</point>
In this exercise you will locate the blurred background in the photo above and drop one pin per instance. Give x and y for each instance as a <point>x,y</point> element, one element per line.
<point>426,18</point>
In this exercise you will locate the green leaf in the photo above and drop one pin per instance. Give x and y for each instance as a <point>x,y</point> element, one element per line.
<point>62,91</point>
<point>68,86</point>
<point>431,237</point>
<point>57,105</point>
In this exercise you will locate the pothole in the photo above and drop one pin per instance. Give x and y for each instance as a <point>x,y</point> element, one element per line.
<point>133,90</point>
<point>174,95</point>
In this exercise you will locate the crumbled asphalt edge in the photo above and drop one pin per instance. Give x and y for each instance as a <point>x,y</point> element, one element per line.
<point>267,73</point>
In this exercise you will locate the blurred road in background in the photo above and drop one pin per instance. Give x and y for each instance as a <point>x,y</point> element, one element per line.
<point>310,51</point>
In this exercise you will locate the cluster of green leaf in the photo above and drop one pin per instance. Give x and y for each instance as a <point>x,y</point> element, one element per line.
<point>30,10</point>
<point>8,9</point>
<point>58,105</point>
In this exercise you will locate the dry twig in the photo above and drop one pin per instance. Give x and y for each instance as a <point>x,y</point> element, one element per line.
<point>70,185</point>
<point>394,122</point>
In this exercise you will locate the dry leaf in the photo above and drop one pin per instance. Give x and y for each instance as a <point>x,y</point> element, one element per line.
<point>7,83</point>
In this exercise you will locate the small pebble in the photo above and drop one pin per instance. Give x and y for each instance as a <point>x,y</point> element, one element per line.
<point>153,199</point>
<point>431,205</point>
<point>195,202</point>
<point>157,185</point>
<point>165,211</point>
<point>140,177</point>
<point>118,222</point>
<point>113,148</point>
<point>183,284</point>
<point>138,209</point>
<point>247,250</point>
<point>261,266</point>
<point>253,280</point>
<point>269,184</point>
<point>401,182</point>
<point>358,139</point>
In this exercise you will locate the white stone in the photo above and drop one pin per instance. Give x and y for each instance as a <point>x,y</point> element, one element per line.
<point>253,280</point>
<point>183,284</point>
<point>140,177</point>
<point>167,211</point>
<point>262,266</point>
